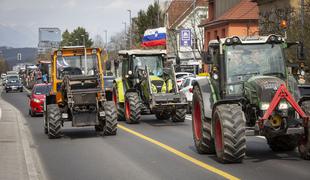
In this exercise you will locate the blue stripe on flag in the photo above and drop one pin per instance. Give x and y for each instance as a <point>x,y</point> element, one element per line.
<point>153,37</point>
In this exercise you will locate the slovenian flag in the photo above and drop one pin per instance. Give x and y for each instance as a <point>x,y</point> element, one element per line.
<point>154,37</point>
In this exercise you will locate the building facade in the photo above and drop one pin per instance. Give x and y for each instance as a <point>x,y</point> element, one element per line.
<point>185,38</point>
<point>228,18</point>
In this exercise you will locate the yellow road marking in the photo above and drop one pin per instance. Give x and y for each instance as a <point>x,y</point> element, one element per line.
<point>180,154</point>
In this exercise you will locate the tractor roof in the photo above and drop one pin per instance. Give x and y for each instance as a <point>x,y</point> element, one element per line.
<point>248,39</point>
<point>141,52</point>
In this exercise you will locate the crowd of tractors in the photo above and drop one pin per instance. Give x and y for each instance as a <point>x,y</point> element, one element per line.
<point>248,92</point>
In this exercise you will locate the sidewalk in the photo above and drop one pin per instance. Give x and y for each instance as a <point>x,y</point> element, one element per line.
<point>18,158</point>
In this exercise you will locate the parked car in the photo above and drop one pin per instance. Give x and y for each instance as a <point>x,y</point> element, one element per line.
<point>37,98</point>
<point>13,83</point>
<point>181,75</point>
<point>3,75</point>
<point>4,79</point>
<point>187,87</point>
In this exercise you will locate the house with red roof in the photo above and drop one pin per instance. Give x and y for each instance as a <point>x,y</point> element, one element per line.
<point>228,18</point>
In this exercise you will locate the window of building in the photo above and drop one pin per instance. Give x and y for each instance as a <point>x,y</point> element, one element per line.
<point>223,32</point>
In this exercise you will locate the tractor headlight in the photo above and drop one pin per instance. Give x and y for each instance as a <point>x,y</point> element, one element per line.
<point>264,106</point>
<point>283,106</point>
<point>36,100</point>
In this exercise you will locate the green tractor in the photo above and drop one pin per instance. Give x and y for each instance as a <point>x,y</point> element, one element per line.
<point>240,93</point>
<point>144,86</point>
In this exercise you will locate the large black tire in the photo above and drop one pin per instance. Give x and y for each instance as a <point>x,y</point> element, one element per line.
<point>53,121</point>
<point>229,133</point>
<point>286,142</point>
<point>204,142</point>
<point>132,108</point>
<point>179,115</point>
<point>304,146</point>
<point>119,106</point>
<point>162,115</point>
<point>110,118</point>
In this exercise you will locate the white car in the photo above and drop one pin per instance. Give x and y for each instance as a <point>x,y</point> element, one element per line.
<point>180,76</point>
<point>187,87</point>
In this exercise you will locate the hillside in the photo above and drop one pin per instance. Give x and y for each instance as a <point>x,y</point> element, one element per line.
<point>10,54</point>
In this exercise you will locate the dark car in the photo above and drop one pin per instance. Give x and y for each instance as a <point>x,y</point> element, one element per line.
<point>108,86</point>
<point>13,83</point>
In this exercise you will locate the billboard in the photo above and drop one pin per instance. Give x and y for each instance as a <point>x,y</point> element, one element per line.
<point>49,35</point>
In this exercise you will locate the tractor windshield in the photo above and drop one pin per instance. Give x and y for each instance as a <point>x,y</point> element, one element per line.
<point>75,65</point>
<point>154,64</point>
<point>244,61</point>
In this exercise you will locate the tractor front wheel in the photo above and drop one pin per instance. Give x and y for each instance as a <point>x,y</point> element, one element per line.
<point>229,128</point>
<point>201,126</point>
<point>132,108</point>
<point>53,121</point>
<point>179,115</point>
<point>119,106</point>
<point>304,146</point>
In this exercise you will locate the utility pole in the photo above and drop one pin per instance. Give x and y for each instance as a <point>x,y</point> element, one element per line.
<point>130,29</point>
<point>302,14</point>
<point>125,37</point>
<point>158,13</point>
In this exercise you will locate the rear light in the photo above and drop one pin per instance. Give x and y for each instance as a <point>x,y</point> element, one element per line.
<point>191,90</point>
<point>179,81</point>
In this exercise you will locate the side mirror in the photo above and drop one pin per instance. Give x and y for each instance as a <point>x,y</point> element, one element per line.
<point>206,58</point>
<point>301,51</point>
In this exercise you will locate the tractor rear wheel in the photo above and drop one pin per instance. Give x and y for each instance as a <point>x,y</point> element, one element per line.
<point>179,115</point>
<point>111,119</point>
<point>283,142</point>
<point>119,106</point>
<point>304,146</point>
<point>204,142</point>
<point>229,129</point>
<point>162,115</point>
<point>132,108</point>
<point>53,121</point>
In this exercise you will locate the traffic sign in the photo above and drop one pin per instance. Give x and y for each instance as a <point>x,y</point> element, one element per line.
<point>185,38</point>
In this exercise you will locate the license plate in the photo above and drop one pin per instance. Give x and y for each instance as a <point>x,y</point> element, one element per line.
<point>14,88</point>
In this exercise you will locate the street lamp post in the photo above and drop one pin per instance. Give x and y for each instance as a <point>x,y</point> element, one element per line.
<point>85,54</point>
<point>106,39</point>
<point>130,29</point>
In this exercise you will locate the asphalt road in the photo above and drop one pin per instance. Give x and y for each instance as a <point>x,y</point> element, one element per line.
<point>162,150</point>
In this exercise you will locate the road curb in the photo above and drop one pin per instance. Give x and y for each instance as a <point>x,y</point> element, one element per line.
<point>33,162</point>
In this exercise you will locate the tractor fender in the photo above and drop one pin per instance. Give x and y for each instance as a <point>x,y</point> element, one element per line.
<point>118,82</point>
<point>208,99</point>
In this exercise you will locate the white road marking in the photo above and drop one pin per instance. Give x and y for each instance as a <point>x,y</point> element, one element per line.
<point>28,91</point>
<point>188,117</point>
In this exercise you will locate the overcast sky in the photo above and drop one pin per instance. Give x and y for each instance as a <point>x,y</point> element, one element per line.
<point>20,19</point>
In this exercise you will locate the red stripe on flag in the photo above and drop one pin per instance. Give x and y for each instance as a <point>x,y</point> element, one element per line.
<point>161,42</point>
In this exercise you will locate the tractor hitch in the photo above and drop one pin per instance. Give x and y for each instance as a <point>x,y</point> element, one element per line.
<point>283,93</point>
